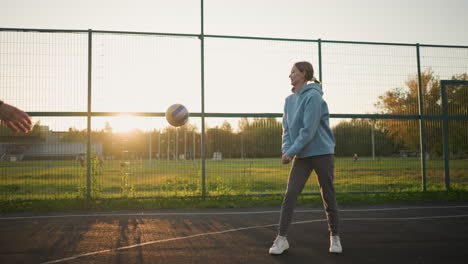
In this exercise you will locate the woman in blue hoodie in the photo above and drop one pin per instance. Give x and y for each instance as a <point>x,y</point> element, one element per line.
<point>307,141</point>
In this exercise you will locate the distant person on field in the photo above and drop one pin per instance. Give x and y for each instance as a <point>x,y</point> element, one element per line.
<point>82,160</point>
<point>309,142</point>
<point>100,161</point>
<point>355,157</point>
<point>14,118</point>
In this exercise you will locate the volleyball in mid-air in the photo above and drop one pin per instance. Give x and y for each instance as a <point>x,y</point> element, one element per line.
<point>177,115</point>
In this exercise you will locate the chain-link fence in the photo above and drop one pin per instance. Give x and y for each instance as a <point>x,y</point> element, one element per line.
<point>98,100</point>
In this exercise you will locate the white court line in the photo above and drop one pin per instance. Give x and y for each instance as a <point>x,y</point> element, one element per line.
<point>162,240</point>
<point>226,213</point>
<point>246,228</point>
<point>402,208</point>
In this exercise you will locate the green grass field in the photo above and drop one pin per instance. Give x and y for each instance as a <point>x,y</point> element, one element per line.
<point>139,179</point>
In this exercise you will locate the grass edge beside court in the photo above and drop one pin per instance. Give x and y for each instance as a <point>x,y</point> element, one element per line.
<point>63,205</point>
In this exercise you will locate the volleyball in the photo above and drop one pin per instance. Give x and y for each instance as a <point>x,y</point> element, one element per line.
<point>177,115</point>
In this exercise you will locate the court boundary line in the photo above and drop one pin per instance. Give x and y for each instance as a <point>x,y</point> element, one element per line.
<point>246,228</point>
<point>225,213</point>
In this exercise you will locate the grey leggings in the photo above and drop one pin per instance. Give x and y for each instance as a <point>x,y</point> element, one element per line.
<point>298,176</point>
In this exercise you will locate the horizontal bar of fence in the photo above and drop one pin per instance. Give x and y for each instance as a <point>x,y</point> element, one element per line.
<point>238,115</point>
<point>227,37</point>
<point>151,114</point>
<point>62,114</point>
<point>452,82</point>
<point>260,38</point>
<point>45,30</point>
<point>147,33</point>
<point>242,115</point>
<point>99,31</point>
<point>442,46</point>
<point>447,117</point>
<point>368,43</point>
<point>376,116</point>
<point>393,44</point>
<point>57,114</point>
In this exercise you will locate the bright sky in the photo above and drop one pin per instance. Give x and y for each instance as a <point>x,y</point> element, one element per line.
<point>423,21</point>
<point>147,74</point>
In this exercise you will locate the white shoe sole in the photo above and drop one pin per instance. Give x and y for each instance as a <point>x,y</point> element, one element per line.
<point>274,253</point>
<point>335,251</point>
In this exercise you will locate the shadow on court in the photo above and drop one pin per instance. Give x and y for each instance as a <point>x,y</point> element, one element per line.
<point>390,233</point>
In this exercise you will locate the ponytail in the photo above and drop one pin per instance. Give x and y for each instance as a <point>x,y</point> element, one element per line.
<point>315,80</point>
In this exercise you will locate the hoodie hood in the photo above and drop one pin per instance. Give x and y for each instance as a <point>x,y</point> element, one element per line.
<point>311,86</point>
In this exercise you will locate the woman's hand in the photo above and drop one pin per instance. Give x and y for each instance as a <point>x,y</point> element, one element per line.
<point>285,159</point>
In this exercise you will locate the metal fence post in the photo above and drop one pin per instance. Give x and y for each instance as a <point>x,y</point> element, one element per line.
<point>421,121</point>
<point>445,134</point>
<point>320,59</point>
<point>88,116</point>
<point>203,154</point>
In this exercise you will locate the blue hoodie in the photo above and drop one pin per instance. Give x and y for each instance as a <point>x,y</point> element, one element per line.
<point>306,129</point>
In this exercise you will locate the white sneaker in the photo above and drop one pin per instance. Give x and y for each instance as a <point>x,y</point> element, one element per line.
<point>279,245</point>
<point>335,244</point>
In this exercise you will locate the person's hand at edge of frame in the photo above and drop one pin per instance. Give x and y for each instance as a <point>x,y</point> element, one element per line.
<point>16,119</point>
<point>285,159</point>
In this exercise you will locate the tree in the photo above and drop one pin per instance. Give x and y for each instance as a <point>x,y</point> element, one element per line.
<point>400,101</point>
<point>221,139</point>
<point>356,135</point>
<point>260,138</point>
<point>106,139</point>
<point>75,135</point>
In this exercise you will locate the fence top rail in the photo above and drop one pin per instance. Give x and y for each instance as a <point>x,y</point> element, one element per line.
<point>227,37</point>
<point>45,30</point>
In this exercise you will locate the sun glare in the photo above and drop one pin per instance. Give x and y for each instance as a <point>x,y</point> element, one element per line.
<point>128,123</point>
